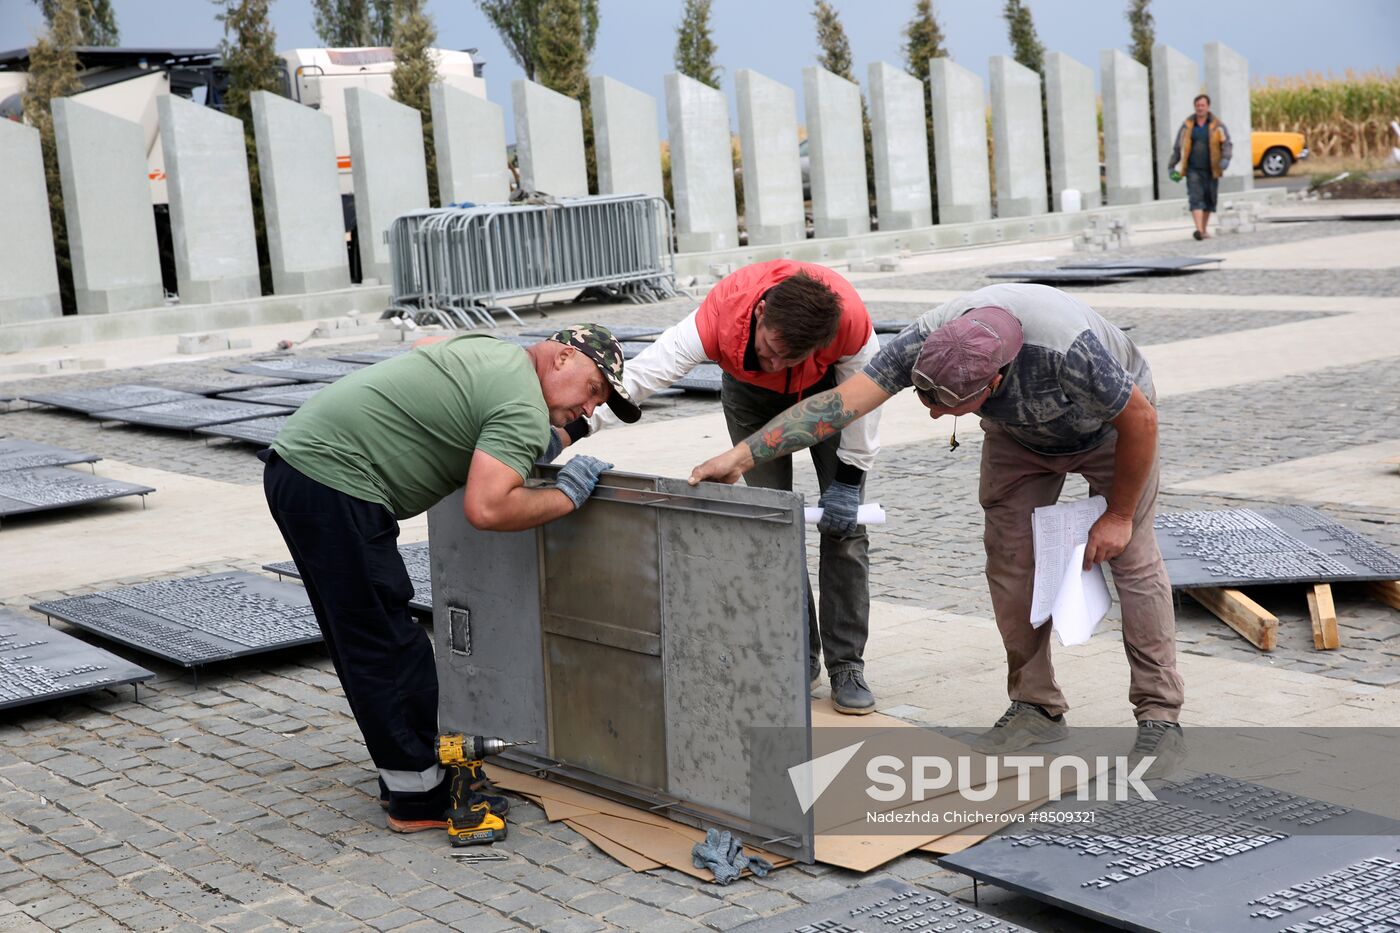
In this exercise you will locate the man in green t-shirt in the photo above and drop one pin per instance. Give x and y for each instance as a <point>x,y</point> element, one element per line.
<point>387,442</point>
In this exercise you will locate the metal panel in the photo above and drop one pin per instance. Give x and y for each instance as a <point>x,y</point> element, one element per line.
<point>40,663</point>
<point>187,415</point>
<point>1155,264</point>
<point>302,369</point>
<point>415,560</point>
<point>887,905</point>
<point>890,327</point>
<point>213,383</point>
<point>293,396</point>
<point>44,488</point>
<point>622,332</point>
<point>1083,276</point>
<point>260,431</point>
<point>109,398</point>
<point>195,620</point>
<point>16,454</point>
<point>370,357</point>
<point>707,378</point>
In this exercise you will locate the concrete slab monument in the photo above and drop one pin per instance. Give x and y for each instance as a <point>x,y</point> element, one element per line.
<point>1074,132</point>
<point>1227,83</point>
<point>28,273</point>
<point>211,206</point>
<point>549,140</point>
<point>903,193</point>
<point>836,154</point>
<point>772,173</point>
<point>1176,80</point>
<point>702,166</point>
<point>107,203</point>
<point>301,196</point>
<point>1127,133</point>
<point>390,170</point>
<point>470,135</point>
<point>1018,139</point>
<point>959,143</point>
<point>625,138</point>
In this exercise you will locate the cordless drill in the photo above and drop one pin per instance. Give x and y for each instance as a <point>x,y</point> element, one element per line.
<point>473,818</point>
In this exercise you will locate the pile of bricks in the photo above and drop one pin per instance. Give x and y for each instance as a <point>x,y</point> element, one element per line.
<point>1237,217</point>
<point>1103,234</point>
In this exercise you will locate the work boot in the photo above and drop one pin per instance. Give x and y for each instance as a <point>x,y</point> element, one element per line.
<point>414,813</point>
<point>814,672</point>
<point>850,695</point>
<point>1161,740</point>
<point>1022,725</point>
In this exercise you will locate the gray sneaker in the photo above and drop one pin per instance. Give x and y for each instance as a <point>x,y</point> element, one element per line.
<point>850,695</point>
<point>1022,725</point>
<point>1163,741</point>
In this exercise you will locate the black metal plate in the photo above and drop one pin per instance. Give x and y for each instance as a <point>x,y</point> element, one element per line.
<point>40,663</point>
<point>199,412</point>
<point>890,327</point>
<point>302,369</point>
<point>1156,264</point>
<point>1248,547</point>
<point>1191,862</point>
<point>620,331</point>
<point>44,488</point>
<point>885,905</point>
<point>519,339</point>
<point>195,620</point>
<point>1311,218</point>
<point>707,377</point>
<point>109,398</point>
<point>1084,276</point>
<point>631,349</point>
<point>370,357</point>
<point>16,454</point>
<point>415,559</point>
<point>214,383</point>
<point>293,396</point>
<point>260,431</point>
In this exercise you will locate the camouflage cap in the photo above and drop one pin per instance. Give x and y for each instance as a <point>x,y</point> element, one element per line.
<point>597,343</point>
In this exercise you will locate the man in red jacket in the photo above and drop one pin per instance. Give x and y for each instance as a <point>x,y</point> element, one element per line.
<point>782,331</point>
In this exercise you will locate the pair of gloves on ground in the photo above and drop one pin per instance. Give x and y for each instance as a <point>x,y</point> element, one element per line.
<point>578,477</point>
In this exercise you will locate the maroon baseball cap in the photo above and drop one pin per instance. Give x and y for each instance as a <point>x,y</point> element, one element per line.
<point>959,359</point>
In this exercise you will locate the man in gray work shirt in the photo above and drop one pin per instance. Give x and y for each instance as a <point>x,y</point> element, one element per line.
<point>1059,390</point>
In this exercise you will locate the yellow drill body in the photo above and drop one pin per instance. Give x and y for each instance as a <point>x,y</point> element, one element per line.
<point>470,822</point>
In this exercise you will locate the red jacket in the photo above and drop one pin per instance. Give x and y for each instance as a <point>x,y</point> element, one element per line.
<point>726,316</point>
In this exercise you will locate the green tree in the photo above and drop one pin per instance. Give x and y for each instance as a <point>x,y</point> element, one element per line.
<point>1144,32</point>
<point>249,52</point>
<point>53,73</point>
<point>561,64</point>
<point>97,21</point>
<point>923,40</point>
<point>695,48</point>
<point>354,23</point>
<point>1025,44</point>
<point>519,21</point>
<point>414,74</point>
<point>836,58</point>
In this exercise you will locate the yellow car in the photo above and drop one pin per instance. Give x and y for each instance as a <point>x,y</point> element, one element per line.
<point>1275,153</point>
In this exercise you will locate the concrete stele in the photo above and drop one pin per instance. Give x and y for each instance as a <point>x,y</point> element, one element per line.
<point>959,143</point>
<point>549,140</point>
<point>1018,138</point>
<point>702,166</point>
<point>1074,132</point>
<point>469,134</point>
<point>28,272</point>
<point>626,139</point>
<point>1175,81</point>
<point>1127,132</point>
<point>1227,83</point>
<point>301,196</point>
<point>390,171</point>
<point>772,171</point>
<point>835,154</point>
<point>903,195</point>
<point>107,203</point>
<point>211,205</point>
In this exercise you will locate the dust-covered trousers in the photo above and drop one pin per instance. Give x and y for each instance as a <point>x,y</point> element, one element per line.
<point>1015,481</point>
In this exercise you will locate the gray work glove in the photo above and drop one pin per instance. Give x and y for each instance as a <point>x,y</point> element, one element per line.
<point>723,854</point>
<point>554,448</point>
<point>839,504</point>
<point>578,477</point>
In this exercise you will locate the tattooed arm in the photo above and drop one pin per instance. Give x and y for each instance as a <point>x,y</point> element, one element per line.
<point>809,422</point>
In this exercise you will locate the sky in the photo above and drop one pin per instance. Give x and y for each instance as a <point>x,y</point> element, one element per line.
<point>636,38</point>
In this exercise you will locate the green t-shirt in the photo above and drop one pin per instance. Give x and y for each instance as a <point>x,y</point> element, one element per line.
<point>402,432</point>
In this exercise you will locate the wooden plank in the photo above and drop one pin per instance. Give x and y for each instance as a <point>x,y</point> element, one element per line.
<point>1386,591</point>
<point>1324,617</point>
<point>1258,626</point>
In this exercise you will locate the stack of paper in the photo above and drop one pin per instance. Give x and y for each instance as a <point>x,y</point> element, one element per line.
<point>1076,599</point>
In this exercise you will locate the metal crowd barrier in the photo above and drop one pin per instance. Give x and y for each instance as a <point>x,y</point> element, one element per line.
<point>455,266</point>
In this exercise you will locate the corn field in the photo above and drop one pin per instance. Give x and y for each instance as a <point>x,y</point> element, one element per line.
<point>1346,117</point>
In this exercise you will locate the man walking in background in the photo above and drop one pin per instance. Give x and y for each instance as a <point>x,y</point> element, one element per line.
<point>1201,153</point>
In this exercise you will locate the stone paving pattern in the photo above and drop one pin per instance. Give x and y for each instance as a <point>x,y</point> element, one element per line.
<point>245,801</point>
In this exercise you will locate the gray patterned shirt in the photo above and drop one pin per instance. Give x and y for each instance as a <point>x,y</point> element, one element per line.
<point>1073,376</point>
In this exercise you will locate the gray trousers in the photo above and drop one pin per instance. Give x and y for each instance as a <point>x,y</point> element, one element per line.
<point>840,629</point>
